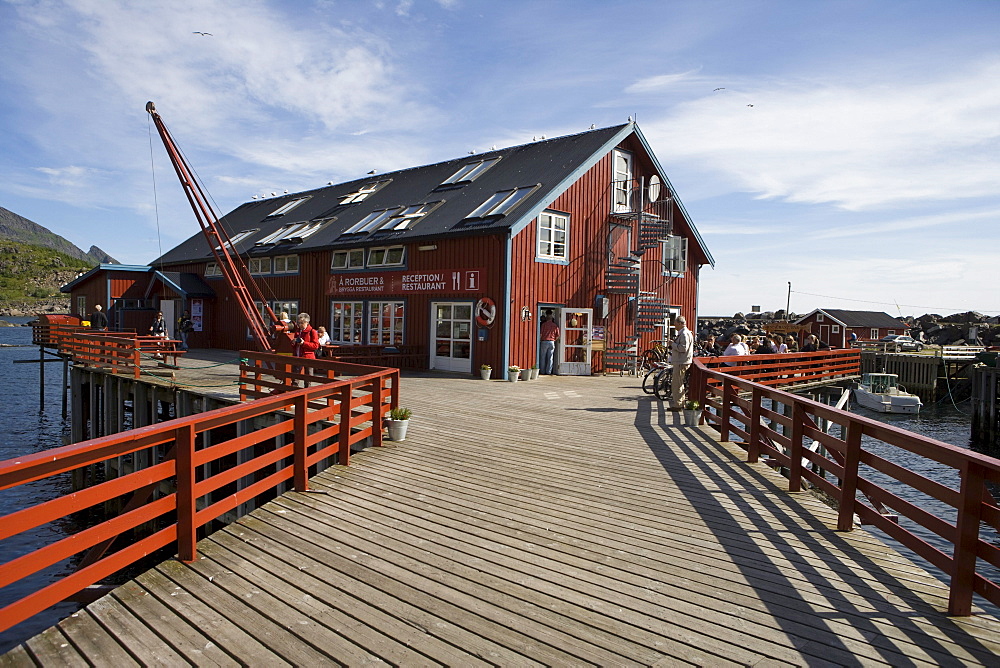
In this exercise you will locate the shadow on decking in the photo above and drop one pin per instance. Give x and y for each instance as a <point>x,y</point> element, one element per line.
<point>732,528</point>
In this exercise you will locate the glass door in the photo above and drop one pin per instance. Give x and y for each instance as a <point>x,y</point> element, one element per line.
<point>574,347</point>
<point>452,336</point>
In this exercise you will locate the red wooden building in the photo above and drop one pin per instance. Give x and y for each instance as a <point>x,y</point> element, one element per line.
<point>461,257</point>
<point>835,326</point>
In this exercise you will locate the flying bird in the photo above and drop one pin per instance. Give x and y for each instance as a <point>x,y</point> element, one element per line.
<point>749,105</point>
<point>718,89</point>
<point>203,34</point>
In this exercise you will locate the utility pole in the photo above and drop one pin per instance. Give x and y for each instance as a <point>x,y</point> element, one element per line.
<point>788,303</point>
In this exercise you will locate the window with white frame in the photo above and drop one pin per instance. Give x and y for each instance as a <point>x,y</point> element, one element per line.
<point>819,317</point>
<point>835,329</point>
<point>385,323</point>
<point>237,238</point>
<point>363,193</point>
<point>289,306</point>
<point>259,265</point>
<point>891,332</point>
<point>286,207</point>
<point>286,264</point>
<point>347,322</point>
<point>212,269</point>
<point>874,333</point>
<point>470,172</point>
<point>553,236</point>
<point>348,259</point>
<point>502,203</point>
<point>387,256</point>
<point>623,183</point>
<point>408,216</point>
<point>674,255</point>
<point>372,221</point>
<point>293,233</point>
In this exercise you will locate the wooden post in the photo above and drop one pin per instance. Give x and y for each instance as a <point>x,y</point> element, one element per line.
<point>378,410</point>
<point>299,450</point>
<point>849,484</point>
<point>753,447</point>
<point>795,450</point>
<point>41,378</point>
<point>970,511</point>
<point>186,502</point>
<point>727,410</point>
<point>346,397</point>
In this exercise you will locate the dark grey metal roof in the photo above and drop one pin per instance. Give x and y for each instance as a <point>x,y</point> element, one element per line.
<point>863,318</point>
<point>186,284</point>
<point>546,164</point>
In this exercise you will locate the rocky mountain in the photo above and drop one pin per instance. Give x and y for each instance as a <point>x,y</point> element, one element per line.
<point>14,227</point>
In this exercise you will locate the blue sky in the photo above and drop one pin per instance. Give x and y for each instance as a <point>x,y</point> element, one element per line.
<point>866,171</point>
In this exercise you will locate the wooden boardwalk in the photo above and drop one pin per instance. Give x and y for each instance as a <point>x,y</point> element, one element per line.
<point>563,521</point>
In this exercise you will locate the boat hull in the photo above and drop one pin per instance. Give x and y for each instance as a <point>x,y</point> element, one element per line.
<point>888,403</point>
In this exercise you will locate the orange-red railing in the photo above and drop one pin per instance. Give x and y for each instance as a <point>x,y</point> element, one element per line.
<point>775,424</point>
<point>789,368</point>
<point>191,478</point>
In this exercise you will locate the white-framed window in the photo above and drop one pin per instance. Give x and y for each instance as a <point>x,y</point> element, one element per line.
<point>237,238</point>
<point>372,221</point>
<point>470,172</point>
<point>212,269</point>
<point>279,306</point>
<point>287,206</point>
<point>286,264</point>
<point>347,322</point>
<point>675,254</point>
<point>385,323</point>
<point>891,332</point>
<point>502,202</point>
<point>386,256</point>
<point>623,184</point>
<point>819,317</point>
<point>259,265</point>
<point>348,259</point>
<point>835,329</point>
<point>363,193</point>
<point>874,334</point>
<point>81,306</point>
<point>553,236</point>
<point>408,216</point>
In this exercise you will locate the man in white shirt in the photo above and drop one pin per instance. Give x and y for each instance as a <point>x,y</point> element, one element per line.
<point>681,356</point>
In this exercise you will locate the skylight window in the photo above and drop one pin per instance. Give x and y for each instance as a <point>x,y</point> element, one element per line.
<point>363,193</point>
<point>408,217</point>
<point>372,221</point>
<point>286,207</point>
<point>236,238</point>
<point>470,172</point>
<point>501,203</point>
<point>293,233</point>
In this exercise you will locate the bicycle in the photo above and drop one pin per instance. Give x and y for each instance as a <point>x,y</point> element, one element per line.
<point>650,379</point>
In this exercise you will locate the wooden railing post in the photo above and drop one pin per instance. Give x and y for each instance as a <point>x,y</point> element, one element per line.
<point>849,483</point>
<point>346,398</point>
<point>970,510</point>
<point>378,410</point>
<point>727,409</point>
<point>186,501</point>
<point>299,451</point>
<point>795,448</point>
<point>753,447</point>
<point>136,359</point>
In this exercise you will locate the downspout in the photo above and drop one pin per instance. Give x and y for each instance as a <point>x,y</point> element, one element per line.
<point>508,254</point>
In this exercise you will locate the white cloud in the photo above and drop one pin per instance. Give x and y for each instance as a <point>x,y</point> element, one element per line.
<point>663,82</point>
<point>857,146</point>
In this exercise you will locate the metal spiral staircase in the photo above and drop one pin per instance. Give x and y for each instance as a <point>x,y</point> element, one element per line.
<point>650,221</point>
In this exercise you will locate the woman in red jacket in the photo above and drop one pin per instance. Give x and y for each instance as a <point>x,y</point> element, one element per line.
<point>306,340</point>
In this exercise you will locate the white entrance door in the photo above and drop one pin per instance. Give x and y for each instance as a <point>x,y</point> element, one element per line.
<point>573,349</point>
<point>167,308</point>
<point>451,349</point>
<point>623,182</point>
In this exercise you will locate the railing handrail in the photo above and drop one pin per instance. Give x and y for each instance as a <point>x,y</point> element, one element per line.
<point>345,416</point>
<point>719,391</point>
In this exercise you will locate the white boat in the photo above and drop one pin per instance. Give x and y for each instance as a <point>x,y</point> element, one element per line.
<point>882,392</point>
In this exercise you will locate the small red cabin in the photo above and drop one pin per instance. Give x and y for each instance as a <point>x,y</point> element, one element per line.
<point>835,326</point>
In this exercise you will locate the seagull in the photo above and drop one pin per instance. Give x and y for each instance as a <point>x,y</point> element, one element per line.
<point>749,105</point>
<point>593,125</point>
<point>718,89</point>
<point>472,152</point>
<point>203,34</point>
<point>372,172</point>
<point>254,197</point>
<point>286,191</point>
<point>629,119</point>
<point>329,183</point>
<point>493,148</point>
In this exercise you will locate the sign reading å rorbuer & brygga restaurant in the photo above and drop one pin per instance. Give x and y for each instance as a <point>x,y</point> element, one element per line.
<point>401,283</point>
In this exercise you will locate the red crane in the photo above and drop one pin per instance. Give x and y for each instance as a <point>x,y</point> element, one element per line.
<point>243,287</point>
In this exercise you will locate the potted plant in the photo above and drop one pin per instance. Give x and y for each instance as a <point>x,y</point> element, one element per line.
<point>525,374</point>
<point>692,411</point>
<point>485,371</point>
<point>534,371</point>
<point>397,422</point>
<point>513,373</point>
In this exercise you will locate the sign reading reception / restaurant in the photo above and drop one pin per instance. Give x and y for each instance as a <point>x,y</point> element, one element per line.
<point>399,283</point>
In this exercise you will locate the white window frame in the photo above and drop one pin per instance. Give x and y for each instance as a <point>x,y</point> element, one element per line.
<point>237,238</point>
<point>285,264</point>
<point>351,328</point>
<point>373,220</point>
<point>624,181</point>
<point>408,216</point>
<point>675,255</point>
<point>212,269</point>
<point>353,258</point>
<point>379,332</point>
<point>835,329</point>
<point>502,202</point>
<point>874,333</point>
<point>548,233</point>
<point>380,256</point>
<point>259,266</point>
<point>819,317</point>
<point>296,232</point>
<point>286,207</point>
<point>470,171</point>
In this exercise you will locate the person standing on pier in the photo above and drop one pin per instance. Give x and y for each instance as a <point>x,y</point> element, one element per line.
<point>681,356</point>
<point>184,326</point>
<point>98,319</point>
<point>549,334</point>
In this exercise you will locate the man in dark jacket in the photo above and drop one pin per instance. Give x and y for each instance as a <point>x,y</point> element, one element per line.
<point>98,319</point>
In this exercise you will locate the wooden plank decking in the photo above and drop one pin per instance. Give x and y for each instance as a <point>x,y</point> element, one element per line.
<point>564,521</point>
